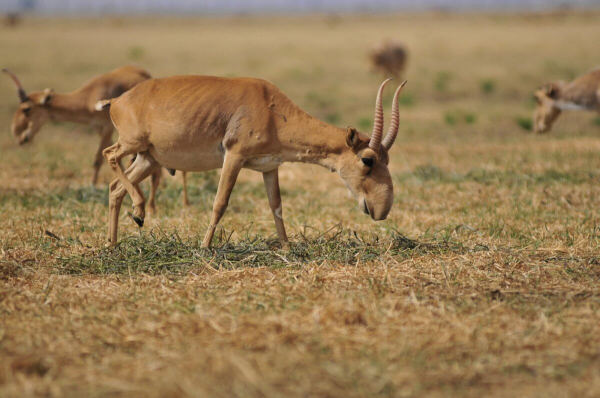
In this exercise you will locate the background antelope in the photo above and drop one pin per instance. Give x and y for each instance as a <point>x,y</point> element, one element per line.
<point>389,58</point>
<point>200,123</point>
<point>12,19</point>
<point>583,93</point>
<point>37,107</point>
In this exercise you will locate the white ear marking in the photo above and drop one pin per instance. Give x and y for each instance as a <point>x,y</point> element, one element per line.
<point>46,97</point>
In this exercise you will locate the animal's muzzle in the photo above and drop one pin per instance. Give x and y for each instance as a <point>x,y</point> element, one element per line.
<point>365,208</point>
<point>540,129</point>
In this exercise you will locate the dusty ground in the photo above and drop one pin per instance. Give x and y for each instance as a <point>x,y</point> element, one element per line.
<point>482,282</point>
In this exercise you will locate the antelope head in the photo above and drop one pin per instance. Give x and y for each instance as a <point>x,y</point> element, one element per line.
<point>364,167</point>
<point>546,111</point>
<point>32,112</point>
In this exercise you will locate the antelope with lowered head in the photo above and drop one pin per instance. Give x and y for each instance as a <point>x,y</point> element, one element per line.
<point>200,123</point>
<point>583,93</point>
<point>38,107</point>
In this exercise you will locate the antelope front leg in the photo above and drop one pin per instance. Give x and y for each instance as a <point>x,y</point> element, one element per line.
<point>186,202</point>
<point>271,179</point>
<point>229,174</point>
<point>105,142</point>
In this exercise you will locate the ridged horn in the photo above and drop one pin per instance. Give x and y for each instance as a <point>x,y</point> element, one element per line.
<point>20,91</point>
<point>375,141</point>
<point>390,137</point>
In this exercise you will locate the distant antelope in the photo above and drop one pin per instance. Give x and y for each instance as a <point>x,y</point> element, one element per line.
<point>582,93</point>
<point>12,19</point>
<point>200,123</point>
<point>37,107</point>
<point>389,58</point>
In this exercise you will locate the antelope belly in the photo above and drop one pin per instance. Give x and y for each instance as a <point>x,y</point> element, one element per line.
<point>188,160</point>
<point>264,163</point>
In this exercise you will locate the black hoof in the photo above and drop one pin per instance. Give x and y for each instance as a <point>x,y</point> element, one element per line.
<point>171,171</point>
<point>138,221</point>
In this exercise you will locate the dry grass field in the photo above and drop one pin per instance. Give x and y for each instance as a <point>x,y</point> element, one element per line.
<point>483,281</point>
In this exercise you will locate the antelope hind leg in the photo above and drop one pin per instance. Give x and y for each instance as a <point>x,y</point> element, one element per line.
<point>105,142</point>
<point>156,178</point>
<point>113,154</point>
<point>143,166</point>
<point>271,180</point>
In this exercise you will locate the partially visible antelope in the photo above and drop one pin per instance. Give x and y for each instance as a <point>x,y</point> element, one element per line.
<point>583,93</point>
<point>389,58</point>
<point>12,19</point>
<point>38,107</point>
<point>200,123</point>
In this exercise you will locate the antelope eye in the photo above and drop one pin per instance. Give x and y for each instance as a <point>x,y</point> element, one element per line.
<point>26,111</point>
<point>367,161</point>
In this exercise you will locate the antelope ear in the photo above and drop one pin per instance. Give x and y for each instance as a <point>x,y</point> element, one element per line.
<point>46,96</point>
<point>352,137</point>
<point>552,90</point>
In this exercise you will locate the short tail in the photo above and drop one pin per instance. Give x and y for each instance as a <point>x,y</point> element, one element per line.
<point>101,105</point>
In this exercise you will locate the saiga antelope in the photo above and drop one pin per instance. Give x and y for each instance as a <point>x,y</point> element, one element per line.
<point>200,123</point>
<point>78,106</point>
<point>582,93</point>
<point>389,58</point>
<point>12,19</point>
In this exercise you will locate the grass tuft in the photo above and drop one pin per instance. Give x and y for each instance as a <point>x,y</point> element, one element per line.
<point>137,53</point>
<point>365,123</point>
<point>487,86</point>
<point>525,123</point>
<point>459,116</point>
<point>442,81</point>
<point>158,252</point>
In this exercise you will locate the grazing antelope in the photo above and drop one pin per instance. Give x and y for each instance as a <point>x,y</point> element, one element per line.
<point>78,106</point>
<point>582,93</point>
<point>37,107</point>
<point>389,58</point>
<point>200,123</point>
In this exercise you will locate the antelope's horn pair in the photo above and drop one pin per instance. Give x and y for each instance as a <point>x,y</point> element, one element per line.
<point>20,91</point>
<point>389,139</point>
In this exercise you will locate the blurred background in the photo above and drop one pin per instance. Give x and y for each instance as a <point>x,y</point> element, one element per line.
<point>279,6</point>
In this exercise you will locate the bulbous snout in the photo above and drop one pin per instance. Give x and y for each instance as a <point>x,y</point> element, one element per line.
<point>23,138</point>
<point>23,133</point>
<point>377,211</point>
<point>540,128</point>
